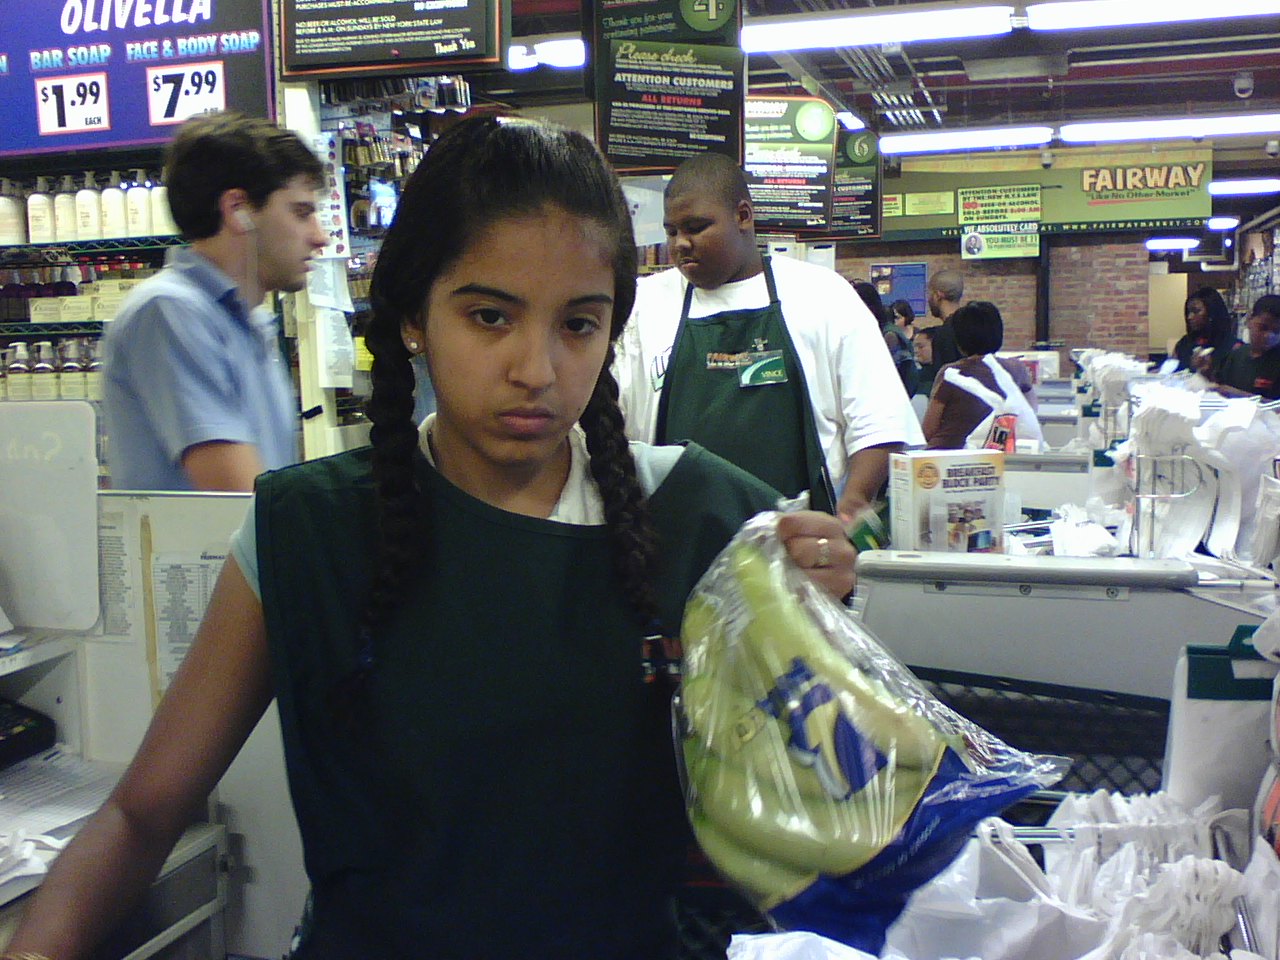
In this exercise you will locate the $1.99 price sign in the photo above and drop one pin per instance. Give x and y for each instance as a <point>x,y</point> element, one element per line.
<point>175,93</point>
<point>72,104</point>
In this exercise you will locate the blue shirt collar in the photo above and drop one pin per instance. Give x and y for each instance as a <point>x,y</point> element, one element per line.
<point>210,278</point>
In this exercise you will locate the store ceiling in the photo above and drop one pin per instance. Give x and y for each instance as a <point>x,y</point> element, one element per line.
<point>1133,73</point>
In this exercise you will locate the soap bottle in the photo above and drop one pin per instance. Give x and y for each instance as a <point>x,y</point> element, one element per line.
<point>114,223</point>
<point>64,211</point>
<point>40,213</point>
<point>44,372</point>
<point>71,379</point>
<point>89,209</point>
<point>18,372</point>
<point>13,220</point>
<point>137,201</point>
<point>162,224</point>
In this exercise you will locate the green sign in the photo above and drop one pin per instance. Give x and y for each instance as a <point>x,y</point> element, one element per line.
<point>664,102</point>
<point>668,78</point>
<point>855,203</point>
<point>790,160</point>
<point>1121,188</point>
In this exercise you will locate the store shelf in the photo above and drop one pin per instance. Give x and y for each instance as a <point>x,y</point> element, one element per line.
<point>96,246</point>
<point>38,647</point>
<point>79,328</point>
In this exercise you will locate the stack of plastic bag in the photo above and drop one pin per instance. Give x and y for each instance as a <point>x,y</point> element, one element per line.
<point>821,778</point>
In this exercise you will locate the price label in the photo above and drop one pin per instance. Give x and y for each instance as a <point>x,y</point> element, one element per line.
<point>175,93</point>
<point>72,104</point>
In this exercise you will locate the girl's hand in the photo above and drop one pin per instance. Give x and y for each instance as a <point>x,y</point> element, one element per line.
<point>818,545</point>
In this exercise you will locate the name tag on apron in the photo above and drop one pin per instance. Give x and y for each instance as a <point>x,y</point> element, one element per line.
<point>762,368</point>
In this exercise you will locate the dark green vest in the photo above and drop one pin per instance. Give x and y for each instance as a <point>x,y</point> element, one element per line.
<point>511,792</point>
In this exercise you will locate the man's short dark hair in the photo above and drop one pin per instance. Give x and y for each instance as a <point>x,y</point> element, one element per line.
<point>978,327</point>
<point>710,174</point>
<point>949,284</point>
<point>1268,304</point>
<point>216,152</point>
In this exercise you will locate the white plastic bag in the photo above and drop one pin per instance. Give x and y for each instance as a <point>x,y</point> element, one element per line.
<point>993,902</point>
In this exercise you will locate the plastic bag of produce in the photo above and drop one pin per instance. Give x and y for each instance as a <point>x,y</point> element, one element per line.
<point>821,778</point>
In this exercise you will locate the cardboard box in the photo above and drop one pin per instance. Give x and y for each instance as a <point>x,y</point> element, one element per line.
<point>950,501</point>
<point>76,309</point>
<point>105,305</point>
<point>44,310</point>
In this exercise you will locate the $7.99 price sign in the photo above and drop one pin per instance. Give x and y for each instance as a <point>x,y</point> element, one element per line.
<point>175,93</point>
<point>72,104</point>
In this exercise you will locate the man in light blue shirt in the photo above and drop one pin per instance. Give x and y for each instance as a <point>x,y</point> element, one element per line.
<point>196,391</point>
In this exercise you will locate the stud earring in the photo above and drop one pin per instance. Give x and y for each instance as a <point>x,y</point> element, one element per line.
<point>412,345</point>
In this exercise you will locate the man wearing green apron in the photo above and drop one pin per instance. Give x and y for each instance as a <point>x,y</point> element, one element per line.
<point>772,363</point>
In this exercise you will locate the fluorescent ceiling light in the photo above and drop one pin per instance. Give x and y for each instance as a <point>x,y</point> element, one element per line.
<point>1081,14</point>
<point>945,140</point>
<point>771,35</point>
<point>566,52</point>
<point>1172,243</point>
<point>1182,128</point>
<point>1222,223</point>
<point>1243,188</point>
<point>520,57</point>
<point>849,121</point>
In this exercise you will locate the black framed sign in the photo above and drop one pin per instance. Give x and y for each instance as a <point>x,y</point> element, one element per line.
<point>337,38</point>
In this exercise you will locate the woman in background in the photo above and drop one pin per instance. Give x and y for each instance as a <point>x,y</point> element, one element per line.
<point>895,338</point>
<point>904,316</point>
<point>953,413</point>
<point>1210,336</point>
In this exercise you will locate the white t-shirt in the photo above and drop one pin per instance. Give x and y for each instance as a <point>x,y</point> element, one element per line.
<point>857,396</point>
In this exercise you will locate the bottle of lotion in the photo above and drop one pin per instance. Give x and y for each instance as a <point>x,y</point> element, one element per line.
<point>13,220</point>
<point>113,216</point>
<point>89,209</point>
<point>40,213</point>
<point>162,224</point>
<point>137,201</point>
<point>64,211</point>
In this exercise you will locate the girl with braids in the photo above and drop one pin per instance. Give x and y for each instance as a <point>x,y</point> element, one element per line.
<point>453,621</point>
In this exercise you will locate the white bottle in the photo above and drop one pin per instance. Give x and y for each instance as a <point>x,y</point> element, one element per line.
<point>40,213</point>
<point>162,224</point>
<point>114,223</point>
<point>19,371</point>
<point>64,211</point>
<point>89,210</point>
<point>44,372</point>
<point>13,220</point>
<point>137,203</point>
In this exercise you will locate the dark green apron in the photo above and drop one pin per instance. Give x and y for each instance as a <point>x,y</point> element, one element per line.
<point>734,384</point>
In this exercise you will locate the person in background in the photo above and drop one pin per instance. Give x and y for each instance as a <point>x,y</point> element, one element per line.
<point>946,290</point>
<point>472,778</point>
<point>1253,368</point>
<point>904,315</point>
<point>197,393</point>
<point>923,344</point>
<point>1210,336</point>
<point>773,363</point>
<point>895,338</point>
<point>953,413</point>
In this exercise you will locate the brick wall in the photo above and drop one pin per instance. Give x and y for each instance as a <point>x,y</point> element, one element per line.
<point>1097,287</point>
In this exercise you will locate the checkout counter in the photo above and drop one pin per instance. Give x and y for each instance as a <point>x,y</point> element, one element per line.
<point>1111,624</point>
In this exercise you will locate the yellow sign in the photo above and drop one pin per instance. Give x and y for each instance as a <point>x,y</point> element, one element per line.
<point>1016,203</point>
<point>931,204</point>
<point>995,241</point>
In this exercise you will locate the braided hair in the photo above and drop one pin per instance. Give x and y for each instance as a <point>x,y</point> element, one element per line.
<point>479,172</point>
